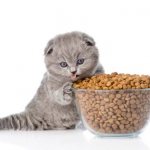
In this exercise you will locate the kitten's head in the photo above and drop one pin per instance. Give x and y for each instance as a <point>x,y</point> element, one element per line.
<point>72,56</point>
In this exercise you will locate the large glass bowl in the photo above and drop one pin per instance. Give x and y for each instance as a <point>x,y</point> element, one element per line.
<point>114,112</point>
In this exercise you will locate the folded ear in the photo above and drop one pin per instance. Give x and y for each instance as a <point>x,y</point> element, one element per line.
<point>49,48</point>
<point>88,40</point>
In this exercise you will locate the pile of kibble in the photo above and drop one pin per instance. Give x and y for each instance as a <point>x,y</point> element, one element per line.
<point>114,111</point>
<point>114,81</point>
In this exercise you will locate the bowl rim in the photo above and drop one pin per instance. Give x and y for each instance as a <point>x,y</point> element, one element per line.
<point>112,90</point>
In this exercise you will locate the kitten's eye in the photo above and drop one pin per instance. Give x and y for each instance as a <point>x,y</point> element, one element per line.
<point>63,64</point>
<point>80,61</point>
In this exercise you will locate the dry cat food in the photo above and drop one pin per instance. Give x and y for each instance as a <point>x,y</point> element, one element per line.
<point>114,81</point>
<point>114,111</point>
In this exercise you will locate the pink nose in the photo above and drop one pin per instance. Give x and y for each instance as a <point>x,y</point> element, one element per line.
<point>73,72</point>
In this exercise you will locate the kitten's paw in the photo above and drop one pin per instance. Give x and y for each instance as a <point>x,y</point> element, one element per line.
<point>67,92</point>
<point>67,99</point>
<point>67,88</point>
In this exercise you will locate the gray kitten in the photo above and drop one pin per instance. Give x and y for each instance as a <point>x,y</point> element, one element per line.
<point>68,57</point>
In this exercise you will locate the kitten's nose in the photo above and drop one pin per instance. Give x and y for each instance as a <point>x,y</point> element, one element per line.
<point>73,72</point>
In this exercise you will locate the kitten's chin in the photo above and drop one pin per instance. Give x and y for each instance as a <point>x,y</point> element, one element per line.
<point>74,77</point>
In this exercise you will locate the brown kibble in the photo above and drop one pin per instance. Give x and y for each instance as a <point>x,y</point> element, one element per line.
<point>134,115</point>
<point>111,105</point>
<point>114,81</point>
<point>135,122</point>
<point>114,126</point>
<point>118,95</point>
<point>130,119</point>
<point>108,83</point>
<point>97,106</point>
<point>106,99</point>
<point>128,115</point>
<point>111,120</point>
<point>111,96</point>
<point>97,97</point>
<point>102,108</point>
<point>106,105</point>
<point>121,126</point>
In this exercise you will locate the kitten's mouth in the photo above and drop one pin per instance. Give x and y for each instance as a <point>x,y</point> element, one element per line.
<point>74,77</point>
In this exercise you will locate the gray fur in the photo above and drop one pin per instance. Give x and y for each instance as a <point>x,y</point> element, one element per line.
<point>53,106</point>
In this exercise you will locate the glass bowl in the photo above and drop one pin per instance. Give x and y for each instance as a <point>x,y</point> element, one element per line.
<point>114,112</point>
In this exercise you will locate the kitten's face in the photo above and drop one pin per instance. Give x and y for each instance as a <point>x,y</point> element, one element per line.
<point>72,55</point>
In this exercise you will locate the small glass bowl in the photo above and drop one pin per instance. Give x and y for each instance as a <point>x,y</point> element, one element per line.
<point>114,112</point>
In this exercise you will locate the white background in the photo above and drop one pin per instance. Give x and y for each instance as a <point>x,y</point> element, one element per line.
<point>121,30</point>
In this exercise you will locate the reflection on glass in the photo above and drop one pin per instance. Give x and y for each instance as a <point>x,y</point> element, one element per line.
<point>114,143</point>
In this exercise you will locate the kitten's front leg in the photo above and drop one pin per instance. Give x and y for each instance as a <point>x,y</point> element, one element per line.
<point>67,92</point>
<point>64,95</point>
